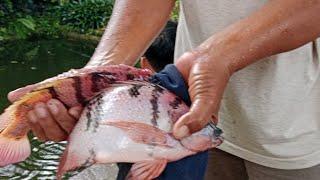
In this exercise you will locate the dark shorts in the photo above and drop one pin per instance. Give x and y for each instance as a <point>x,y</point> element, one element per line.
<point>189,168</point>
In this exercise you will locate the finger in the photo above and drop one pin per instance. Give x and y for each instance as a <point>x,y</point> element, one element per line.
<point>16,94</point>
<point>185,62</point>
<point>193,121</point>
<point>51,128</point>
<point>35,127</point>
<point>61,115</point>
<point>206,87</point>
<point>75,111</point>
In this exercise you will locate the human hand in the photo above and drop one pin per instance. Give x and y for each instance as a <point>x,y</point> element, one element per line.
<point>50,120</point>
<point>207,75</point>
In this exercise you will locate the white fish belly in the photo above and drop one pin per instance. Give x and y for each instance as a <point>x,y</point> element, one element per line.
<point>93,137</point>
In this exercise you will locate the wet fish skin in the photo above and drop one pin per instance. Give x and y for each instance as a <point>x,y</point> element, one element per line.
<point>133,122</point>
<point>75,87</point>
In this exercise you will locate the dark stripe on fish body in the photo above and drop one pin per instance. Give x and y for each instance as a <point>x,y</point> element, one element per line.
<point>134,90</point>
<point>94,80</point>
<point>175,103</point>
<point>94,108</point>
<point>100,80</point>
<point>99,100</point>
<point>77,85</point>
<point>109,77</point>
<point>154,103</point>
<point>97,112</point>
<point>88,116</point>
<point>55,95</point>
<point>89,161</point>
<point>130,76</point>
<point>158,88</point>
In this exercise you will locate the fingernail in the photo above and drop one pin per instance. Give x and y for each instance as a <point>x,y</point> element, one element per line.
<point>53,108</point>
<point>182,132</point>
<point>32,117</point>
<point>41,112</point>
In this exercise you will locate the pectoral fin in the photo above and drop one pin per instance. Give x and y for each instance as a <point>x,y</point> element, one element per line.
<point>142,133</point>
<point>147,170</point>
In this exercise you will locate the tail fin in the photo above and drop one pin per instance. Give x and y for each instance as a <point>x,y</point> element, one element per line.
<point>71,161</point>
<point>13,150</point>
<point>17,112</point>
<point>5,119</point>
<point>14,127</point>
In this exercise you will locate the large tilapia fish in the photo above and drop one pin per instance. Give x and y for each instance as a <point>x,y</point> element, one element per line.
<point>132,122</point>
<point>73,88</point>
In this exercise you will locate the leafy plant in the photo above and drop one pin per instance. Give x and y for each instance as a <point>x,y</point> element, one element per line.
<point>175,12</point>
<point>5,9</point>
<point>86,14</point>
<point>21,27</point>
<point>47,27</point>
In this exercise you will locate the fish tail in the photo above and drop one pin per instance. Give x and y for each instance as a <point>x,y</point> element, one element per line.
<point>14,127</point>
<point>5,119</point>
<point>14,144</point>
<point>13,150</point>
<point>16,114</point>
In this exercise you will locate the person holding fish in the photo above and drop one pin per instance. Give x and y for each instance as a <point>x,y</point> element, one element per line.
<point>254,65</point>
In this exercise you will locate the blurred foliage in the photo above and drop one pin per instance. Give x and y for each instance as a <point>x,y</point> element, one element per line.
<point>86,14</point>
<point>21,27</point>
<point>175,11</point>
<point>17,17</point>
<point>22,19</point>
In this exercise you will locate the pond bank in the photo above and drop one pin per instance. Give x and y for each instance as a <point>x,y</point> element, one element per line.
<point>81,37</point>
<point>68,35</point>
<point>27,62</point>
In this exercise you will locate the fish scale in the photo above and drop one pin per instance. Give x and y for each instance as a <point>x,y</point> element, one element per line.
<point>128,131</point>
<point>73,88</point>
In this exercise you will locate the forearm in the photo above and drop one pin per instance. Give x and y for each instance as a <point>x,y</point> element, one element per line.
<point>132,27</point>
<point>277,27</point>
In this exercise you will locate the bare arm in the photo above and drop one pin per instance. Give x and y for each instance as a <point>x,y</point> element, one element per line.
<point>132,27</point>
<point>277,27</point>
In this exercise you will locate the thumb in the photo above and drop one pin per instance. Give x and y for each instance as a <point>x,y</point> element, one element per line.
<point>18,93</point>
<point>201,112</point>
<point>207,81</point>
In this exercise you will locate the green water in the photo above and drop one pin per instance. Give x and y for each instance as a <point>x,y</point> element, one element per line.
<point>23,63</point>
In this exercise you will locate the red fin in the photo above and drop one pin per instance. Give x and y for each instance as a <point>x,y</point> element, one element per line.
<point>63,166</point>
<point>147,170</point>
<point>142,133</point>
<point>71,161</point>
<point>13,150</point>
<point>5,119</point>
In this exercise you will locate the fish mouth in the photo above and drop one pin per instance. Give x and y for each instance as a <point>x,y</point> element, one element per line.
<point>209,137</point>
<point>217,132</point>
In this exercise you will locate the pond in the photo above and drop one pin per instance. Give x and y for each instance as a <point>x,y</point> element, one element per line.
<point>23,63</point>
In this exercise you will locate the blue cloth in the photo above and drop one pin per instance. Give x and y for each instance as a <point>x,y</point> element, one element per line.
<point>189,168</point>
